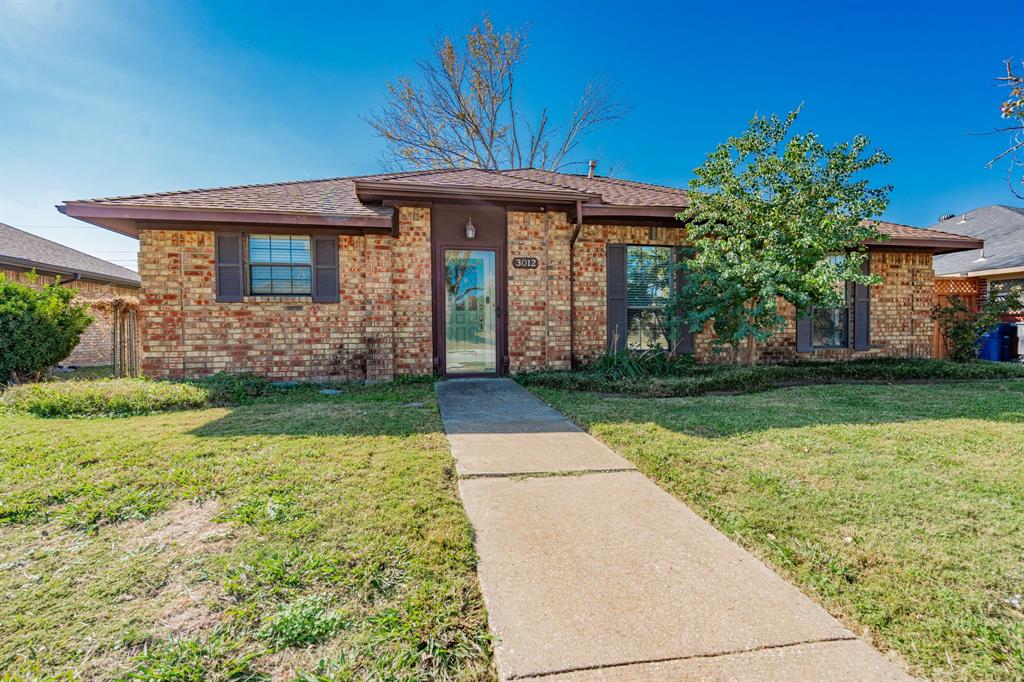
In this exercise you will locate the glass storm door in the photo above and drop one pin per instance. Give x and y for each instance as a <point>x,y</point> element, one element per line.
<point>470,312</point>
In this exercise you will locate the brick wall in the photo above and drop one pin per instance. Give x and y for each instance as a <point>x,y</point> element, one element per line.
<point>380,327</point>
<point>95,347</point>
<point>538,299</point>
<point>900,321</point>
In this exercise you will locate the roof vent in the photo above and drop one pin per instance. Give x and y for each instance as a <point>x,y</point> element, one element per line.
<point>593,167</point>
<point>946,216</point>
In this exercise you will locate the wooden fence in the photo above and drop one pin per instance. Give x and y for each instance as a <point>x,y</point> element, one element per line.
<point>969,290</point>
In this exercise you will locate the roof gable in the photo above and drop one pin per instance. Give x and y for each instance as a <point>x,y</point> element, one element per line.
<point>1002,229</point>
<point>29,251</point>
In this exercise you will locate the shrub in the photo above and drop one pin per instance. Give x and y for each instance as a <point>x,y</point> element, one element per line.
<point>963,328</point>
<point>110,397</point>
<point>304,622</point>
<point>38,329</point>
<point>699,380</point>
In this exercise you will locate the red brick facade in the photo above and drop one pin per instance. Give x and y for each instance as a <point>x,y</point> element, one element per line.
<point>95,348</point>
<point>382,325</point>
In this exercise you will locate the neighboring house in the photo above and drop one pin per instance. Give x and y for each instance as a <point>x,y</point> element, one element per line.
<point>454,272</point>
<point>96,279</point>
<point>979,273</point>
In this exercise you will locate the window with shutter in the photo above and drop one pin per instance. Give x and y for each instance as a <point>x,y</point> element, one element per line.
<point>648,289</point>
<point>279,265</point>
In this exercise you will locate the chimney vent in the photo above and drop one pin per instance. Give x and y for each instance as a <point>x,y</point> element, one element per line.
<point>593,167</point>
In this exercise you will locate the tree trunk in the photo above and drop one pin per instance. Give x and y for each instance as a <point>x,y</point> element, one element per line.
<point>750,351</point>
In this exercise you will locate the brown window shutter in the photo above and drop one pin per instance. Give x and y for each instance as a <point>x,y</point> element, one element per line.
<point>862,311</point>
<point>615,294</point>
<point>683,335</point>
<point>325,269</point>
<point>803,333</point>
<point>228,254</point>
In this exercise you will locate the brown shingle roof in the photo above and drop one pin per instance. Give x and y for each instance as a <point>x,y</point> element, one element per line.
<point>613,191</point>
<point>26,250</point>
<point>339,197</point>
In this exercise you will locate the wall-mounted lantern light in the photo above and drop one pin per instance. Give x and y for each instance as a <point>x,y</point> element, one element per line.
<point>470,229</point>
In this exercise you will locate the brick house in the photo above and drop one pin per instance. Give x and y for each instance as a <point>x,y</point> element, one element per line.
<point>95,279</point>
<point>454,272</point>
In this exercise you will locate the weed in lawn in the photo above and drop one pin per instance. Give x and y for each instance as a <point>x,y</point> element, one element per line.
<point>216,658</point>
<point>102,507</point>
<point>303,622</point>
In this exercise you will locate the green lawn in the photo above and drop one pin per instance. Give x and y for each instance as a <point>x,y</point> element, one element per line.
<point>311,533</point>
<point>900,508</point>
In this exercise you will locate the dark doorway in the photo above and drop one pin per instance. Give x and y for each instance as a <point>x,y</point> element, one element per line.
<point>470,328</point>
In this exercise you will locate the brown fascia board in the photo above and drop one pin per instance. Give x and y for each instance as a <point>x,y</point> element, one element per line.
<point>606,211</point>
<point>125,219</point>
<point>374,191</point>
<point>26,265</point>
<point>936,246</point>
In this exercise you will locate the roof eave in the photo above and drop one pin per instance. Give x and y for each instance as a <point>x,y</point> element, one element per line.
<point>936,246</point>
<point>124,219</point>
<point>609,211</point>
<point>376,191</point>
<point>39,266</point>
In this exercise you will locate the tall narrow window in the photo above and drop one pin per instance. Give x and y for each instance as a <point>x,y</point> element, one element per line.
<point>830,327</point>
<point>279,264</point>
<point>648,287</point>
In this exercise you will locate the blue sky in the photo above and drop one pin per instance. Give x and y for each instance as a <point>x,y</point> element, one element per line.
<point>105,98</point>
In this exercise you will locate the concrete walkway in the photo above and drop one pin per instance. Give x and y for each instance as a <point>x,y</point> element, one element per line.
<point>592,572</point>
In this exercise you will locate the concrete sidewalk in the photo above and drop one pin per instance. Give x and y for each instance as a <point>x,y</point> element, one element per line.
<point>592,572</point>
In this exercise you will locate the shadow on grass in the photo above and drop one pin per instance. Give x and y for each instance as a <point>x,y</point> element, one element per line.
<point>399,414</point>
<point>799,407</point>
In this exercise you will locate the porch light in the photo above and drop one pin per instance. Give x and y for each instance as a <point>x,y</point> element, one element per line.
<point>470,229</point>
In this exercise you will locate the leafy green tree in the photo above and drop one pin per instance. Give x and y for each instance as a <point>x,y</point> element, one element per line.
<point>768,210</point>
<point>38,328</point>
<point>963,328</point>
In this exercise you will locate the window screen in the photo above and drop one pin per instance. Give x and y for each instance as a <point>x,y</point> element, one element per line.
<point>830,327</point>
<point>648,288</point>
<point>279,265</point>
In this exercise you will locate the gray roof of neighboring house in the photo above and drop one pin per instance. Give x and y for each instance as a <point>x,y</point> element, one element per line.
<point>27,251</point>
<point>1002,229</point>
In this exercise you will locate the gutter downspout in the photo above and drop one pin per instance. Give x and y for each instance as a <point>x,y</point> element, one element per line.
<point>572,284</point>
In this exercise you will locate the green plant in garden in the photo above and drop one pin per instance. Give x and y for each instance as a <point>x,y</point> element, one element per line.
<point>767,212</point>
<point>38,328</point>
<point>963,328</point>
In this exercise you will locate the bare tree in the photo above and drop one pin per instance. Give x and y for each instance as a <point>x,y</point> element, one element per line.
<point>1013,110</point>
<point>465,112</point>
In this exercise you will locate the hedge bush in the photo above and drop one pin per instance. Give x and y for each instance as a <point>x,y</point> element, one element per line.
<point>701,379</point>
<point>38,328</point>
<point>130,397</point>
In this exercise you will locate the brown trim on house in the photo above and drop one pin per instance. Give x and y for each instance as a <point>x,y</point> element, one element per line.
<point>265,229</point>
<point>936,246</point>
<point>99,214</point>
<point>604,211</point>
<point>371,191</point>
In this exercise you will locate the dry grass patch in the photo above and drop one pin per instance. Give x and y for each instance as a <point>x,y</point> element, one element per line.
<point>298,534</point>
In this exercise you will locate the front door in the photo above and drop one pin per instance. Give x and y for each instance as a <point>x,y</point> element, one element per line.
<point>471,311</point>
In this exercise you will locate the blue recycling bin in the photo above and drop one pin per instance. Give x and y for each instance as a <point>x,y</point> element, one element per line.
<point>988,346</point>
<point>1007,332</point>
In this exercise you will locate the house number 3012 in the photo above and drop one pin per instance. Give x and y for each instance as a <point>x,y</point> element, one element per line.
<point>524,263</point>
